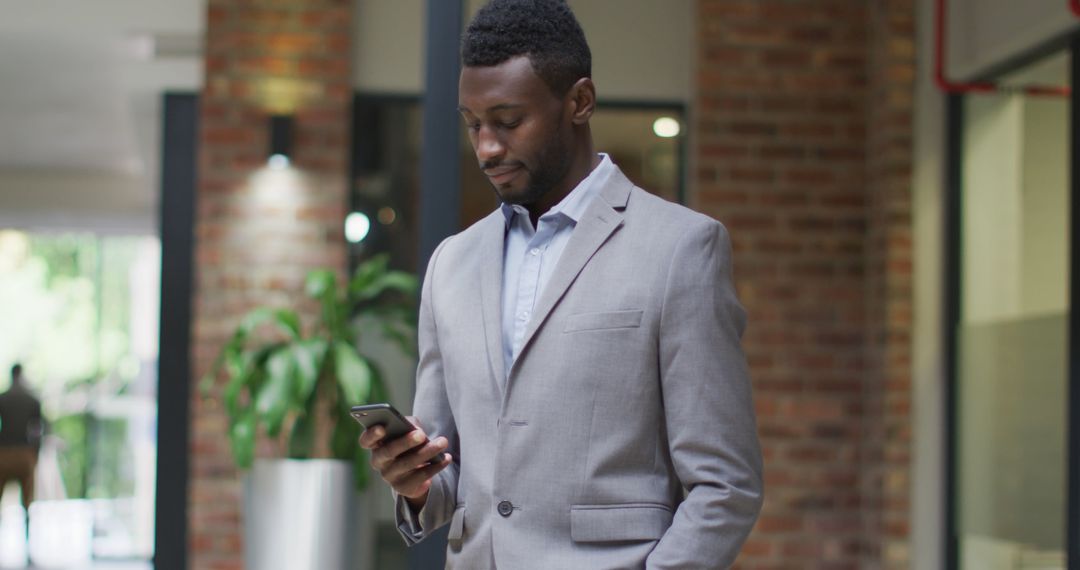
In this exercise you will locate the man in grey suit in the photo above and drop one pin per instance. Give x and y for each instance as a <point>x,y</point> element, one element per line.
<point>580,360</point>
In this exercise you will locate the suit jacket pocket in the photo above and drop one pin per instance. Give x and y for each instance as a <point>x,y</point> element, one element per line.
<point>605,320</point>
<point>610,523</point>
<point>457,525</point>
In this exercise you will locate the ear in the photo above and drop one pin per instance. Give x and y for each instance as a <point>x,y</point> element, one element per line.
<point>582,101</point>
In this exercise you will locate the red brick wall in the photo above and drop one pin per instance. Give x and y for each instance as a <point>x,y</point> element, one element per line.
<point>887,432</point>
<point>786,122</point>
<point>258,232</point>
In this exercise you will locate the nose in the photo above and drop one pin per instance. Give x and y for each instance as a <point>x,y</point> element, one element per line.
<point>489,148</point>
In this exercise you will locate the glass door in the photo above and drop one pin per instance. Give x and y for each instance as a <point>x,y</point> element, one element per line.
<point>1011,340</point>
<point>80,315</point>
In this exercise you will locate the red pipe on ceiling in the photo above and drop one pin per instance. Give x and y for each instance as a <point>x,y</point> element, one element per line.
<point>948,86</point>
<point>943,82</point>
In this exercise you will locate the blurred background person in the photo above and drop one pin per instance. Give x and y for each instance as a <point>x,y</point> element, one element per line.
<point>21,428</point>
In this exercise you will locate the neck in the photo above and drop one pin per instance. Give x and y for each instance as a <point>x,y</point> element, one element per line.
<point>582,162</point>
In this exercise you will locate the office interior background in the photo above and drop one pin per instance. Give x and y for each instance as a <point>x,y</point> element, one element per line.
<point>899,178</point>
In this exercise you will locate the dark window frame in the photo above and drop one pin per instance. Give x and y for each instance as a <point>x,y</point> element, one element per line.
<point>1072,511</point>
<point>180,127</point>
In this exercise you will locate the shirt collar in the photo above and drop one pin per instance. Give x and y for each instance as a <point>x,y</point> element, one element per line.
<point>573,205</point>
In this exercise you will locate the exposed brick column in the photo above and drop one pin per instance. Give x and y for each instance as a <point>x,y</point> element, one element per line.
<point>259,231</point>
<point>784,109</point>
<point>887,426</point>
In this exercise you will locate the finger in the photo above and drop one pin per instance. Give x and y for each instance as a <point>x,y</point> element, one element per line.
<point>406,442</point>
<point>433,452</point>
<point>388,452</point>
<point>418,481</point>
<point>416,459</point>
<point>371,438</point>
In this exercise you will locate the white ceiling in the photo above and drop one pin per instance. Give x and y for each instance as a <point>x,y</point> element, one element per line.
<point>63,105</point>
<point>80,103</point>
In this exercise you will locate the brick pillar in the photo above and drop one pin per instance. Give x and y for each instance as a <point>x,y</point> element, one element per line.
<point>258,231</point>
<point>784,114</point>
<point>887,431</point>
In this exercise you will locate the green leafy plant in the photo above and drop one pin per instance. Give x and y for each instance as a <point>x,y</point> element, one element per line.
<point>281,381</point>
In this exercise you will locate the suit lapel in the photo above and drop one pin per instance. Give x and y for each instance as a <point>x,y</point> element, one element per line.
<point>491,277</point>
<point>602,217</point>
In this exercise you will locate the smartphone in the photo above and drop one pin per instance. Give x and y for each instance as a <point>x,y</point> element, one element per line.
<point>387,416</point>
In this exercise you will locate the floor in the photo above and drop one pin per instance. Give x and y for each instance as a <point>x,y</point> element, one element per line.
<point>60,539</point>
<point>389,546</point>
<point>68,535</point>
<point>97,565</point>
<point>60,542</point>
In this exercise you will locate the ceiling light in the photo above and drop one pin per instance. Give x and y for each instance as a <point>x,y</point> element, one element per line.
<point>357,226</point>
<point>666,127</point>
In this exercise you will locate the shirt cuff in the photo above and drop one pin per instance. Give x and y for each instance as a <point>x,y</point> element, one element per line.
<point>413,527</point>
<point>408,522</point>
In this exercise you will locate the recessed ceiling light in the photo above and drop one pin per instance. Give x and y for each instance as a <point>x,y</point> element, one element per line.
<point>357,226</point>
<point>666,127</point>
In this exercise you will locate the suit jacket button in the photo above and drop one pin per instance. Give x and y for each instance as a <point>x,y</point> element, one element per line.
<point>506,508</point>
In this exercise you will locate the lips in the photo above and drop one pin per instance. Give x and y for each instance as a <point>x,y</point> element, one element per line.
<point>502,174</point>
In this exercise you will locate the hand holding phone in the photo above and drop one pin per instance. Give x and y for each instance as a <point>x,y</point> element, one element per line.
<point>402,453</point>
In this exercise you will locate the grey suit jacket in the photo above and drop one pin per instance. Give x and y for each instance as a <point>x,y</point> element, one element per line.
<point>624,435</point>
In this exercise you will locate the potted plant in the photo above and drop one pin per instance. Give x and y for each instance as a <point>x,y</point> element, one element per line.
<point>295,383</point>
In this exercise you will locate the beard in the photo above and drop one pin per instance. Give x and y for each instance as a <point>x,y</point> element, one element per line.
<point>551,167</point>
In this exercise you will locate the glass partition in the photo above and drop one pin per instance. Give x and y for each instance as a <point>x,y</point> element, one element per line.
<point>1011,398</point>
<point>80,312</point>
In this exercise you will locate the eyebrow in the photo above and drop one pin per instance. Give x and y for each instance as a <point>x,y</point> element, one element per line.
<point>499,107</point>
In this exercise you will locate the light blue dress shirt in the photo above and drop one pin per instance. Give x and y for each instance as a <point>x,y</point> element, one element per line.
<point>530,254</point>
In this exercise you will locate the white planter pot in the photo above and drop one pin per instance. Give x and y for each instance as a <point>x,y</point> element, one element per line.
<point>305,514</point>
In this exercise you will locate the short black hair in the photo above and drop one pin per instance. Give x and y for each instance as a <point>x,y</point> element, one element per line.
<point>16,370</point>
<point>544,30</point>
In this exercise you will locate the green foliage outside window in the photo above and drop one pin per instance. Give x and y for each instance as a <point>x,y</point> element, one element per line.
<point>74,458</point>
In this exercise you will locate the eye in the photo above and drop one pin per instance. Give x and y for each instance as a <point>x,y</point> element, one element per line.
<point>510,124</point>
